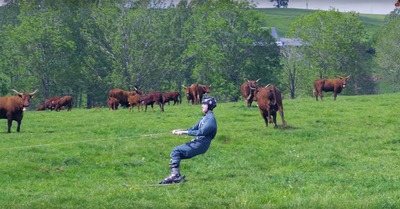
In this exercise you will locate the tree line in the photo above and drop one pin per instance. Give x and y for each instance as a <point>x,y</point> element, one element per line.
<point>86,48</point>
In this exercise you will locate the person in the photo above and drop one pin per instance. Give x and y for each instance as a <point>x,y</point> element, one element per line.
<point>205,130</point>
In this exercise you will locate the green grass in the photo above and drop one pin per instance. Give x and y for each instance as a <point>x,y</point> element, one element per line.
<point>281,19</point>
<point>333,154</point>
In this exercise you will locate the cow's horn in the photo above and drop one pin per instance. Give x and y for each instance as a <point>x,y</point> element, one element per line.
<point>258,79</point>
<point>16,92</point>
<point>348,76</point>
<point>34,92</point>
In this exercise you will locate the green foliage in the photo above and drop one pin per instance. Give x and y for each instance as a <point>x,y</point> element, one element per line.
<point>387,50</point>
<point>334,154</point>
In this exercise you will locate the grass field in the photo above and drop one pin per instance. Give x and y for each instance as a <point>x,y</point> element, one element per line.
<point>333,154</point>
<point>281,19</point>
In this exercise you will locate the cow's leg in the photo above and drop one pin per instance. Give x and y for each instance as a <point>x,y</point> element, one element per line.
<point>334,94</point>
<point>9,123</point>
<point>280,109</point>
<point>315,94</point>
<point>320,94</point>
<point>19,125</point>
<point>273,114</point>
<point>264,115</point>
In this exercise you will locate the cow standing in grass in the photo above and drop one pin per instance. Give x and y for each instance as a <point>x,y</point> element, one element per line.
<point>122,95</point>
<point>269,101</point>
<point>63,101</point>
<point>248,90</point>
<point>172,96</point>
<point>134,101</point>
<point>12,107</point>
<point>189,94</point>
<point>151,99</point>
<point>112,103</point>
<point>335,85</point>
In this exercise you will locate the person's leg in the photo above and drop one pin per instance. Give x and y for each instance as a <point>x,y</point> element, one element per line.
<point>184,151</point>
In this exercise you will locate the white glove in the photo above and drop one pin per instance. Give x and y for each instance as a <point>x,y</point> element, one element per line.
<point>179,132</point>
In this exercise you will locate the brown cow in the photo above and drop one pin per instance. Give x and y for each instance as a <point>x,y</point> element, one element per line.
<point>12,107</point>
<point>335,85</point>
<point>248,89</point>
<point>172,96</point>
<point>122,95</point>
<point>269,101</point>
<point>112,103</point>
<point>134,101</point>
<point>150,99</point>
<point>200,91</point>
<point>49,103</point>
<point>189,94</point>
<point>63,101</point>
<point>41,107</point>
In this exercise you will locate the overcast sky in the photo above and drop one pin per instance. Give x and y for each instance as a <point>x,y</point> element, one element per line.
<point>361,6</point>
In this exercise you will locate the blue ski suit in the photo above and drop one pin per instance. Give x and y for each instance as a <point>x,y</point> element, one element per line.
<point>204,130</point>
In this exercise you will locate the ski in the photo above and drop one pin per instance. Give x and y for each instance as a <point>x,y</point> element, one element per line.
<point>131,186</point>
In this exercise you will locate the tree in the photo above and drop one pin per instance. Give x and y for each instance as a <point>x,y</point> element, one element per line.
<point>388,50</point>
<point>280,3</point>
<point>228,46</point>
<point>335,44</point>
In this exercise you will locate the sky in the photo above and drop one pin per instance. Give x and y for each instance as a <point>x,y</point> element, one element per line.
<point>361,6</point>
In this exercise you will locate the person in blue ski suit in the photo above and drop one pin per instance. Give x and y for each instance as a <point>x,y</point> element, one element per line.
<point>204,130</point>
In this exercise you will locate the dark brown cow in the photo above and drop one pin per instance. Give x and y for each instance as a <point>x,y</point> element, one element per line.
<point>172,96</point>
<point>189,94</point>
<point>63,101</point>
<point>248,89</point>
<point>269,100</point>
<point>134,101</point>
<point>154,97</point>
<point>122,95</point>
<point>335,85</point>
<point>112,103</point>
<point>12,107</point>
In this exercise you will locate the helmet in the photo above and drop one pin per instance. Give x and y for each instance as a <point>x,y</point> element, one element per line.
<point>211,102</point>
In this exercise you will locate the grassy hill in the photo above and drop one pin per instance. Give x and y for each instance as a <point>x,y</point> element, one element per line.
<point>282,18</point>
<point>334,154</point>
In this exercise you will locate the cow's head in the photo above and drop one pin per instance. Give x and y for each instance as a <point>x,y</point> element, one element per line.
<point>206,88</point>
<point>136,90</point>
<point>252,84</point>
<point>26,97</point>
<point>344,80</point>
<point>187,91</point>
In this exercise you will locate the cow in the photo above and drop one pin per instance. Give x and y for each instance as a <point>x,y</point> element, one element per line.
<point>41,107</point>
<point>189,94</point>
<point>172,96</point>
<point>269,101</point>
<point>122,95</point>
<point>154,97</point>
<point>112,103</point>
<point>248,89</point>
<point>134,101</point>
<point>63,101</point>
<point>200,91</point>
<point>12,107</point>
<point>335,85</point>
<point>49,102</point>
